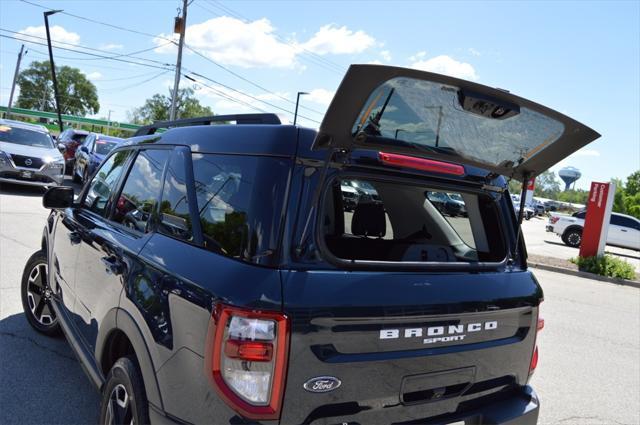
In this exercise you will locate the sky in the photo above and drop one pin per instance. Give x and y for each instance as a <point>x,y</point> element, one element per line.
<point>580,58</point>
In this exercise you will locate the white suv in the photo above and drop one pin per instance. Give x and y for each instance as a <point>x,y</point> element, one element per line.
<point>624,230</point>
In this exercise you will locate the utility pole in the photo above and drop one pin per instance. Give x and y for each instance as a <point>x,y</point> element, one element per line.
<point>181,25</point>
<point>53,67</point>
<point>15,79</point>
<point>109,121</point>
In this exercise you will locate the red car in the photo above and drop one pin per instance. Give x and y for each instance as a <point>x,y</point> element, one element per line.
<point>71,138</point>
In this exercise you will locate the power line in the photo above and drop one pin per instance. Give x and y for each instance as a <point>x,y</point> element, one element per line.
<point>250,96</point>
<point>105,54</point>
<point>224,95</point>
<point>247,80</point>
<point>92,54</point>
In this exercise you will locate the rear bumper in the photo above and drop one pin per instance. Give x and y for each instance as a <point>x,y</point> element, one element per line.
<point>521,409</point>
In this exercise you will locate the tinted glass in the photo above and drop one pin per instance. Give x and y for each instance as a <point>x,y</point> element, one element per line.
<point>103,147</point>
<point>616,220</point>
<point>175,220</point>
<point>240,201</point>
<point>430,116</point>
<point>25,137</point>
<point>141,190</point>
<point>581,214</point>
<point>104,182</point>
<point>625,222</point>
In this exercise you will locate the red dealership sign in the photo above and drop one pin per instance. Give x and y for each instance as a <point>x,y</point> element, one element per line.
<point>596,222</point>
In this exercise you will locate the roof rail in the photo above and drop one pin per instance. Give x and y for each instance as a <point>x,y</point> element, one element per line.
<point>238,118</point>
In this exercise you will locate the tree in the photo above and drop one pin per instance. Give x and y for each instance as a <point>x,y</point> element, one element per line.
<point>619,197</point>
<point>547,186</point>
<point>157,108</point>
<point>78,95</point>
<point>633,183</point>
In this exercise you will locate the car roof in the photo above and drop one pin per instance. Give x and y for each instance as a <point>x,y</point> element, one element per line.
<point>25,125</point>
<point>256,139</point>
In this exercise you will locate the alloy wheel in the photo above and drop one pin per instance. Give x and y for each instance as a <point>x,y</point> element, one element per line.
<point>39,295</point>
<point>119,411</point>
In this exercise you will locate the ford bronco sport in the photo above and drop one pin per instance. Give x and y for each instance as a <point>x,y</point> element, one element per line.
<point>212,274</point>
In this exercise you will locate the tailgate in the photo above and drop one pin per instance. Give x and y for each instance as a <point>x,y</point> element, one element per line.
<point>404,346</point>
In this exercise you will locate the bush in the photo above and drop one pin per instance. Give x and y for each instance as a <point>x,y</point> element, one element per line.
<point>606,265</point>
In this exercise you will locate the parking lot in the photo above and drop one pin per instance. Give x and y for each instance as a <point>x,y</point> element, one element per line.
<point>589,370</point>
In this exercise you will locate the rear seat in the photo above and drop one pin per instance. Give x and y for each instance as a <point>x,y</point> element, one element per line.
<point>368,226</point>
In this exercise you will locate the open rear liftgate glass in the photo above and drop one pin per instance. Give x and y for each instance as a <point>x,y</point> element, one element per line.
<point>431,122</point>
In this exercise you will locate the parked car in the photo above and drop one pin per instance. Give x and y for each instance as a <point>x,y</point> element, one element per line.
<point>244,293</point>
<point>449,204</point>
<point>537,207</point>
<point>91,153</point>
<point>624,230</point>
<point>350,196</point>
<point>71,138</point>
<point>551,206</point>
<point>528,212</point>
<point>29,156</point>
<point>366,192</point>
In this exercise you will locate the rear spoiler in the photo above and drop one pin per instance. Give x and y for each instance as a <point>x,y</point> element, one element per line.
<point>240,119</point>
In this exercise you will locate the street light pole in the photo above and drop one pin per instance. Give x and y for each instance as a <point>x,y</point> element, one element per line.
<point>53,67</point>
<point>295,115</point>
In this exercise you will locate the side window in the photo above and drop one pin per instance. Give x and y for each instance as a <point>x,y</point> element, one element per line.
<point>630,223</point>
<point>581,215</point>
<point>88,142</point>
<point>139,195</point>
<point>174,219</point>
<point>104,183</point>
<point>616,220</point>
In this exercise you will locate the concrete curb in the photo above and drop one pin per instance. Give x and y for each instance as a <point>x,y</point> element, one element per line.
<point>586,275</point>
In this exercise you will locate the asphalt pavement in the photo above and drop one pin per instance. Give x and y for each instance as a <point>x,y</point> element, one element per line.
<point>589,369</point>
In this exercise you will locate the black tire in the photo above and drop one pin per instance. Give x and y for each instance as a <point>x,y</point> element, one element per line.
<point>36,296</point>
<point>74,173</point>
<point>572,237</point>
<point>124,400</point>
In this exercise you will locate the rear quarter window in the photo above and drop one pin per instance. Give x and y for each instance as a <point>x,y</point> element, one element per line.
<point>239,202</point>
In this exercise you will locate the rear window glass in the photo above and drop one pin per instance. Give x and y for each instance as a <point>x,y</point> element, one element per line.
<point>79,137</point>
<point>239,204</point>
<point>103,147</point>
<point>388,221</point>
<point>427,115</point>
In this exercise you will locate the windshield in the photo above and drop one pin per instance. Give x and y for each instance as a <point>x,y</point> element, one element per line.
<point>25,137</point>
<point>103,147</point>
<point>436,117</point>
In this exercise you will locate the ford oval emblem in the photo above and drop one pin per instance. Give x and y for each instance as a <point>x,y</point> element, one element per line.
<point>322,384</point>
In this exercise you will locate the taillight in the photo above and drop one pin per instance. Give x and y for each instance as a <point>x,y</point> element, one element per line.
<point>534,356</point>
<point>247,359</point>
<point>553,219</point>
<point>421,164</point>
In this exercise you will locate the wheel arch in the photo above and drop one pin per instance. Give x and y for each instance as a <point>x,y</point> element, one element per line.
<point>570,228</point>
<point>118,336</point>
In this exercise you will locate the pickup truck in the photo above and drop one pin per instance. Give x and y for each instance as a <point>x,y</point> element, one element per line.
<point>624,230</point>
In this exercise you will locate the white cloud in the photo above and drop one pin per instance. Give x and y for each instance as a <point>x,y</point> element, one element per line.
<point>418,56</point>
<point>375,62</point>
<point>587,152</point>
<point>234,42</point>
<point>94,75</point>
<point>444,64</point>
<point>321,96</point>
<point>57,32</point>
<point>474,52</point>
<point>111,46</point>
<point>247,44</point>
<point>331,39</point>
<point>386,55</point>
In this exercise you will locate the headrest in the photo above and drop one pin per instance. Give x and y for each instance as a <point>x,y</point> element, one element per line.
<point>369,220</point>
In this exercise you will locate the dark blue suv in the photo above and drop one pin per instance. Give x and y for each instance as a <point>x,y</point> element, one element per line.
<point>212,274</point>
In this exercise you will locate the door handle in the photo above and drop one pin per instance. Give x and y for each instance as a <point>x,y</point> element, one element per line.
<point>113,266</point>
<point>74,238</point>
<point>623,230</point>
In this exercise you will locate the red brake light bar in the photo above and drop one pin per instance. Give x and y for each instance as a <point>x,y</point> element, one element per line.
<point>421,164</point>
<point>249,351</point>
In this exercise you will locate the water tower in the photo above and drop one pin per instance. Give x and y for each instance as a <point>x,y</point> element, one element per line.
<point>569,175</point>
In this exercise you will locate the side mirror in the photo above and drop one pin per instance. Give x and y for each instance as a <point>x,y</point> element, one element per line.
<point>58,197</point>
<point>84,149</point>
<point>62,148</point>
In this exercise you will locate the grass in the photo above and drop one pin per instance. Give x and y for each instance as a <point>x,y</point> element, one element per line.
<point>606,265</point>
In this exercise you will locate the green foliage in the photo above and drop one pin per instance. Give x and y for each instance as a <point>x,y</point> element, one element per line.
<point>78,95</point>
<point>633,184</point>
<point>574,196</point>
<point>515,187</point>
<point>547,185</point>
<point>606,265</point>
<point>157,108</point>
